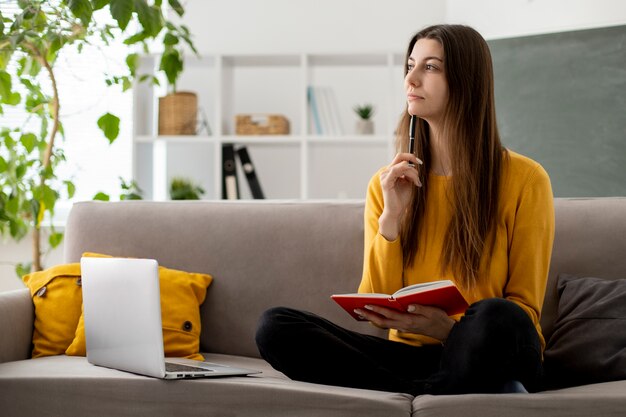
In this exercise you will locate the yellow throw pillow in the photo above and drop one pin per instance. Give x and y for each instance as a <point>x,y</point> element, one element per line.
<point>182,293</point>
<point>57,298</point>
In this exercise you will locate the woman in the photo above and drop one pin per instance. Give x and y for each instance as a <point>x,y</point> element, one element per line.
<point>464,209</point>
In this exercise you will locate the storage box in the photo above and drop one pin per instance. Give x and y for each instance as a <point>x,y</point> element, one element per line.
<point>261,124</point>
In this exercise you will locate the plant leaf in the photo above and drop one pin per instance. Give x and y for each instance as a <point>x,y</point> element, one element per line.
<point>23,268</point>
<point>82,9</point>
<point>138,37</point>
<point>32,67</point>
<point>14,99</point>
<point>49,198</point>
<point>71,188</point>
<point>5,86</point>
<point>56,42</point>
<point>126,84</point>
<point>8,140</point>
<point>20,171</point>
<point>131,196</point>
<point>5,57</point>
<point>41,20</point>
<point>186,35</point>
<point>122,11</point>
<point>36,209</point>
<point>99,4</point>
<point>131,190</point>
<point>55,239</point>
<point>132,60</point>
<point>23,3</point>
<point>149,17</point>
<point>176,6</point>
<point>170,39</point>
<point>172,65</point>
<point>6,95</point>
<point>29,140</point>
<point>18,229</point>
<point>110,125</point>
<point>101,197</point>
<point>12,206</point>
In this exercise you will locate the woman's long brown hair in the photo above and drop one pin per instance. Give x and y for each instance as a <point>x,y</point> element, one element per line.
<point>476,153</point>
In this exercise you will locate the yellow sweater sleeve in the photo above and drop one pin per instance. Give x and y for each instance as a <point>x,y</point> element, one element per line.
<point>531,245</point>
<point>382,259</point>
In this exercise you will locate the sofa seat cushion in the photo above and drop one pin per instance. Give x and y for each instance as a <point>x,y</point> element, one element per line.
<point>605,399</point>
<point>45,386</point>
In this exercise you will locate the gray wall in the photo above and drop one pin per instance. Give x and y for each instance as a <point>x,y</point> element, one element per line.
<point>561,100</point>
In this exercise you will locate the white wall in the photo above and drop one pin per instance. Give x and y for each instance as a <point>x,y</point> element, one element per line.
<point>509,18</point>
<point>288,26</point>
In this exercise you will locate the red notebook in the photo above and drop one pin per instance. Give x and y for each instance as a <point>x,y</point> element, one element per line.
<point>443,294</point>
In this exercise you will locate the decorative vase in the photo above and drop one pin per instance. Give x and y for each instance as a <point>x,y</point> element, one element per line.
<point>178,113</point>
<point>364,127</point>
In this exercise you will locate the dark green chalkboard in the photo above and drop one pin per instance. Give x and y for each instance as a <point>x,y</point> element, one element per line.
<point>561,100</point>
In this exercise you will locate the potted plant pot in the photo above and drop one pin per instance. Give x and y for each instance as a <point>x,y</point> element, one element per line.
<point>364,127</point>
<point>178,113</point>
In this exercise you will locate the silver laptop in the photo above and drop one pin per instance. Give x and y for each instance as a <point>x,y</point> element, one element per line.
<point>123,330</point>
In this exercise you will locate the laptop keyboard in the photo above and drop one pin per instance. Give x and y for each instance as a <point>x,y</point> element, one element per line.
<point>175,367</point>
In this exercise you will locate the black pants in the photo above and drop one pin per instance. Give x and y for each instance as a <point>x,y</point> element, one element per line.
<point>493,343</point>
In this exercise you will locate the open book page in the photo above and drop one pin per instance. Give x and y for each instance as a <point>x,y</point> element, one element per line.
<point>441,294</point>
<point>410,289</point>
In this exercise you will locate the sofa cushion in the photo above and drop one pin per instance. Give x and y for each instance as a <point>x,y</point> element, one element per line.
<point>182,293</point>
<point>57,298</point>
<point>605,399</point>
<point>588,344</point>
<point>45,386</point>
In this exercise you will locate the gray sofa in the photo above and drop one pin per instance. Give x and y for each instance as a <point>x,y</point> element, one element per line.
<point>264,254</point>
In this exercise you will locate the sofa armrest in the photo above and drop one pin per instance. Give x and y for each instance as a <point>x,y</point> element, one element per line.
<point>17,316</point>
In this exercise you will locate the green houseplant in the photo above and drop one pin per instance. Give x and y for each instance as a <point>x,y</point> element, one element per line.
<point>185,189</point>
<point>365,125</point>
<point>31,41</point>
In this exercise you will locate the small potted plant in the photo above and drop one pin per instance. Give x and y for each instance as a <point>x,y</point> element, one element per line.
<point>365,124</point>
<point>178,110</point>
<point>185,189</point>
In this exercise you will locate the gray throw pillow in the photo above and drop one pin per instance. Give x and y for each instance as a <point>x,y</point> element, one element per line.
<point>589,340</point>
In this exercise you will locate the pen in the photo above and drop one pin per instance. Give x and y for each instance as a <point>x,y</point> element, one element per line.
<point>412,137</point>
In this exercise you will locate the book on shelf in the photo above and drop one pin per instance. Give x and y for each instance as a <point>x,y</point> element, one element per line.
<point>324,111</point>
<point>442,294</point>
<point>333,108</point>
<point>250,172</point>
<point>230,186</point>
<point>314,112</point>
<point>326,114</point>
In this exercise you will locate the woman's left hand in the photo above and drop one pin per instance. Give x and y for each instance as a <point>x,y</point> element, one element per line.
<point>419,319</point>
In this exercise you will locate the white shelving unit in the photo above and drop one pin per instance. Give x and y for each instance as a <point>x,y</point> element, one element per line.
<point>301,165</point>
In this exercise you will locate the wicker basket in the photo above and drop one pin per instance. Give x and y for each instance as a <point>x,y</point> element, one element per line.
<point>178,114</point>
<point>261,124</point>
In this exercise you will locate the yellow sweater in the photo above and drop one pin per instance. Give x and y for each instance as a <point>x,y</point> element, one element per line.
<point>518,268</point>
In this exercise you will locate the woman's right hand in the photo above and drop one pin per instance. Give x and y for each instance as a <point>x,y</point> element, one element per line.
<point>397,182</point>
